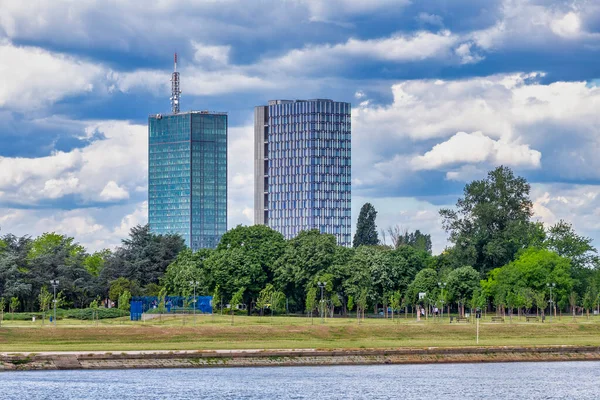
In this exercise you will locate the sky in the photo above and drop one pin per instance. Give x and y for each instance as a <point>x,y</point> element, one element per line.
<point>442,92</point>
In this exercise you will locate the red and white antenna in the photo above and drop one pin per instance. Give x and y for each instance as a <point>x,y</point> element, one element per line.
<point>175,91</point>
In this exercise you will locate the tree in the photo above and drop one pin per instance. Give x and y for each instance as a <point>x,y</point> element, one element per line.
<point>426,281</point>
<point>162,301</point>
<point>118,286</point>
<point>216,298</point>
<point>395,300</point>
<point>187,267</point>
<point>95,262</point>
<point>533,269</point>
<point>44,299</point>
<point>491,222</point>
<point>265,297</point>
<point>361,303</point>
<point>278,302</point>
<point>14,305</point>
<point>143,257</point>
<point>461,284</point>
<point>562,239</point>
<point>539,298</point>
<point>124,300</point>
<point>588,301</point>
<point>238,298</point>
<point>366,230</point>
<point>573,302</point>
<point>246,257</point>
<point>414,239</point>
<point>2,307</point>
<point>305,257</point>
<point>311,301</point>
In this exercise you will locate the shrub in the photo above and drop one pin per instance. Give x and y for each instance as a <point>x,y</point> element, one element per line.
<point>88,313</point>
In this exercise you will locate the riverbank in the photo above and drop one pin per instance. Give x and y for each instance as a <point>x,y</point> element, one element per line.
<point>301,357</point>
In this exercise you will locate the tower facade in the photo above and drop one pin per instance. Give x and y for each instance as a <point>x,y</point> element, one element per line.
<point>187,176</point>
<point>302,167</point>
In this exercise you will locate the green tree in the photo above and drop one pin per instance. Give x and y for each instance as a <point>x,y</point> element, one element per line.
<point>540,301</point>
<point>307,256</point>
<point>2,308</point>
<point>162,302</point>
<point>491,223</point>
<point>395,300</point>
<point>44,300</point>
<point>366,229</point>
<point>311,300</point>
<point>143,257</point>
<point>361,303</point>
<point>118,286</point>
<point>426,281</point>
<point>265,297</point>
<point>14,305</point>
<point>124,300</point>
<point>533,269</point>
<point>95,262</point>
<point>461,284</point>
<point>562,239</point>
<point>216,297</point>
<point>187,267</point>
<point>246,258</point>
<point>238,298</point>
<point>278,302</point>
<point>588,301</point>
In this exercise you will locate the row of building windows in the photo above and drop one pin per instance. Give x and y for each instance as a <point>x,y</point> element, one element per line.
<point>309,106</point>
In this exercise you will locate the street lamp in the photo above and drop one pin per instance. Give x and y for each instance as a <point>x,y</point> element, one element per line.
<point>551,286</point>
<point>54,283</point>
<point>322,286</point>
<point>194,284</point>
<point>442,285</point>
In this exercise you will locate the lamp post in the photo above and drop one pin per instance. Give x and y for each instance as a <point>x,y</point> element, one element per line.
<point>194,284</point>
<point>442,285</point>
<point>322,286</point>
<point>54,283</point>
<point>551,286</point>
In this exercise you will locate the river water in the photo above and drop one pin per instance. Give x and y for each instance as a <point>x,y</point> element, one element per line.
<point>559,380</point>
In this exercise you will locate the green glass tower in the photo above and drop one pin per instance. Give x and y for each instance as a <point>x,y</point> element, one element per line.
<point>187,176</point>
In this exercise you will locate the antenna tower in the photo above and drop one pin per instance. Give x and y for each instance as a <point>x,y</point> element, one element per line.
<point>175,91</point>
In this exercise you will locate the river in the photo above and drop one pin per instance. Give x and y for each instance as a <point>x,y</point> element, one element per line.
<point>559,380</point>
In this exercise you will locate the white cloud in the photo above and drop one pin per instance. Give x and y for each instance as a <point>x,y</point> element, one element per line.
<point>112,191</point>
<point>431,19</point>
<point>333,10</point>
<point>211,54</point>
<point>400,48</point>
<point>103,170</point>
<point>33,77</point>
<point>477,148</point>
<point>94,228</point>
<point>568,26</point>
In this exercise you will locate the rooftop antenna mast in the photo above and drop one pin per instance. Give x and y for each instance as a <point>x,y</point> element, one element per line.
<point>175,91</point>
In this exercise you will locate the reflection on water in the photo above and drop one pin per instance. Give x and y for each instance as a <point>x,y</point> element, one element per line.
<point>561,380</point>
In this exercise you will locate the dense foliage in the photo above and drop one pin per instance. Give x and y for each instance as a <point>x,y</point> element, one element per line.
<point>500,260</point>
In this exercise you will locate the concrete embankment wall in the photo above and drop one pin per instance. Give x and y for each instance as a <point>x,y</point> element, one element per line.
<point>261,358</point>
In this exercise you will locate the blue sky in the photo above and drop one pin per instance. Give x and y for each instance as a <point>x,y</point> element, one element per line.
<point>442,91</point>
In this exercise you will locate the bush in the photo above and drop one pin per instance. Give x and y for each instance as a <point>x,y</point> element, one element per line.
<point>88,313</point>
<point>24,316</point>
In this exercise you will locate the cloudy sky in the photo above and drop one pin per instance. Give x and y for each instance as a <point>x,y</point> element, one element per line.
<point>442,91</point>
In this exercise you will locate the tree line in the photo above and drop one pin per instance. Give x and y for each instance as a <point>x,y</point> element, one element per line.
<point>499,259</point>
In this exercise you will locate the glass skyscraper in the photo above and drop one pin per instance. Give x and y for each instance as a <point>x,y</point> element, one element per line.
<point>302,167</point>
<point>187,176</point>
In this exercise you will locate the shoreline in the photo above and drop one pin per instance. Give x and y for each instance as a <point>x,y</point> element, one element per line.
<point>96,360</point>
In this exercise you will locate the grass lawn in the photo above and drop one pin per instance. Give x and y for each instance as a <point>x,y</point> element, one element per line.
<point>216,332</point>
